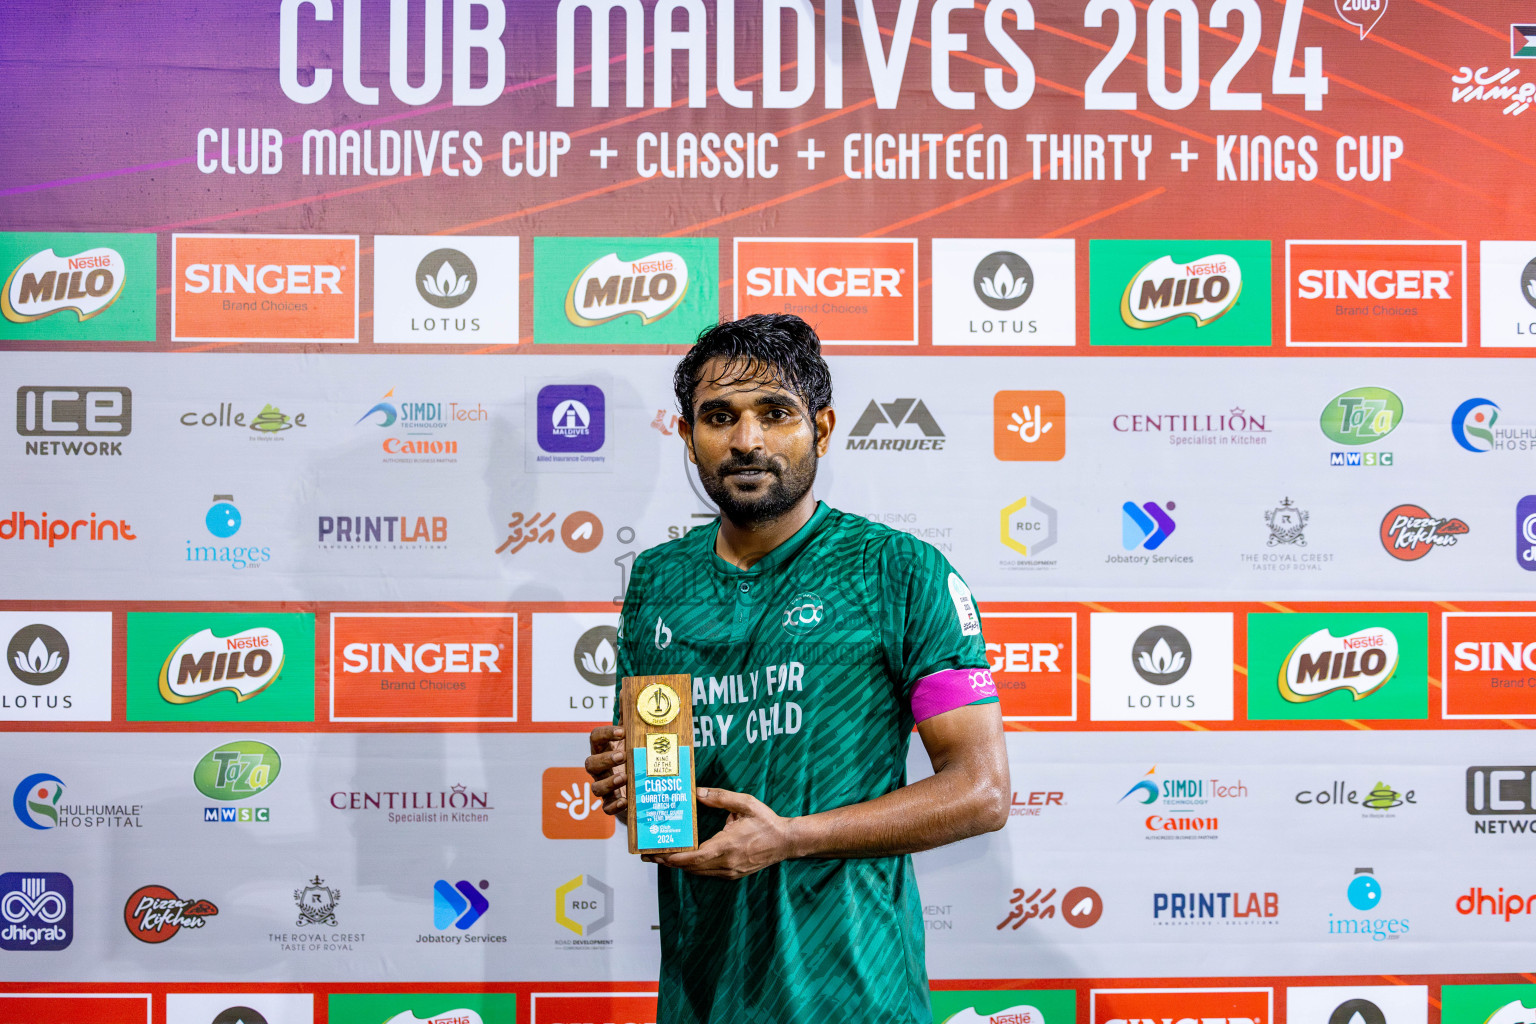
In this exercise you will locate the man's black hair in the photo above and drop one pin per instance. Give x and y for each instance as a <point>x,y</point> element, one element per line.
<point>782,344</point>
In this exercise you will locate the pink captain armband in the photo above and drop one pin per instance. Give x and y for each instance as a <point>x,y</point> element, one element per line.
<point>950,689</point>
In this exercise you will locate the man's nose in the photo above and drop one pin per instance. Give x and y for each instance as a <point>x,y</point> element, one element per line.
<point>747,435</point>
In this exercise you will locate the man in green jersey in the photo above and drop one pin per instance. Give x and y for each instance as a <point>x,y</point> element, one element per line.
<point>815,640</point>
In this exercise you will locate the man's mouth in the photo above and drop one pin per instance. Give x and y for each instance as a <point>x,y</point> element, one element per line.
<point>748,474</point>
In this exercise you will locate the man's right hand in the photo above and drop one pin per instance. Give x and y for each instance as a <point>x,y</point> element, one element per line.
<point>606,766</point>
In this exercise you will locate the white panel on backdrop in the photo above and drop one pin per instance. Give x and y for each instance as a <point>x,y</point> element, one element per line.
<point>1357,1004</point>
<point>575,655</point>
<point>58,666</point>
<point>1509,294</point>
<point>1004,291</point>
<point>1161,666</point>
<point>429,289</point>
<point>238,1008</point>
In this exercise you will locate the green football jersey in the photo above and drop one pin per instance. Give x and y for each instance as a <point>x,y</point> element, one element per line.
<point>805,670</point>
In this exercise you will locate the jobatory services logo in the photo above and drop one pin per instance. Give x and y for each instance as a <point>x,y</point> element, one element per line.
<point>1029,426</point>
<point>1365,895</point>
<point>1488,664</point>
<point>570,811</point>
<point>1408,532</point>
<point>58,666</point>
<point>38,911</point>
<point>1033,661</point>
<point>155,914</point>
<point>300,288</point>
<point>1192,292</point>
<point>1502,799</point>
<point>1147,666</point>
<point>856,291</point>
<point>1487,1004</point>
<point>1508,285</point>
<point>38,803</point>
<point>456,908</point>
<point>1207,1005</point>
<point>1011,1006</point>
<point>435,1008</point>
<point>1357,1004</point>
<point>1146,526</point>
<point>1081,906</point>
<point>1003,292</point>
<point>575,656</point>
<point>221,667</point>
<point>1376,294</point>
<point>1028,526</point>
<point>77,287</point>
<point>904,424</point>
<point>425,292</point>
<point>1338,665</point>
<point>624,291</point>
<point>420,667</point>
<point>420,430</point>
<point>1361,416</point>
<point>1181,805</point>
<point>74,420</point>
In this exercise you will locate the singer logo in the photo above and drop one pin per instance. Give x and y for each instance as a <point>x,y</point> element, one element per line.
<point>1033,660</point>
<point>558,1008</point>
<point>571,811</point>
<point>423,667</point>
<point>1402,294</point>
<point>856,291</point>
<point>1489,664</point>
<point>264,288</point>
<point>1207,1005</point>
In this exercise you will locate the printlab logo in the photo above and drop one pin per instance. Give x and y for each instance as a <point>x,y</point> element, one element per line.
<point>570,809</point>
<point>37,654</point>
<point>317,903</point>
<point>571,418</point>
<point>458,905</point>
<point>904,416</point>
<point>1206,908</point>
<point>1161,655</point>
<point>1365,896</point>
<point>90,287</point>
<point>1286,523</point>
<point>1363,15</point>
<point>1003,281</point>
<point>1408,532</point>
<point>38,908</point>
<point>1081,907</point>
<point>1028,526</point>
<point>584,905</point>
<point>70,413</point>
<point>1029,426</point>
<point>446,278</point>
<point>1147,525</point>
<point>155,914</point>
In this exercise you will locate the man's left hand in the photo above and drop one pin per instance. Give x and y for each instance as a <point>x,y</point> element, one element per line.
<point>753,838</point>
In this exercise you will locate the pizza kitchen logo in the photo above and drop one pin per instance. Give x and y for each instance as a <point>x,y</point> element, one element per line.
<point>154,914</point>
<point>1408,532</point>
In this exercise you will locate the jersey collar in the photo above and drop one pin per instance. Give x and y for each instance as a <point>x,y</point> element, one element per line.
<point>779,555</point>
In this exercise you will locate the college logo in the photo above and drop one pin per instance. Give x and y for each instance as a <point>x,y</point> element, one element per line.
<point>1179,293</point>
<point>1033,661</point>
<point>38,908</point>
<point>423,667</point>
<point>269,424</point>
<point>77,287</point>
<point>905,416</point>
<point>155,914</point>
<point>264,288</point>
<point>584,905</point>
<point>1029,426</point>
<point>1170,667</point>
<point>1028,527</point>
<point>1324,665</point>
<point>1357,1004</point>
<point>1081,907</point>
<point>1399,294</point>
<point>221,667</point>
<point>73,413</point>
<point>571,418</point>
<point>858,291</point>
<point>1408,533</point>
<point>1146,526</point>
<point>59,669</point>
<point>1488,664</point>
<point>1376,801</point>
<point>570,809</point>
<point>599,291</point>
<point>317,903</point>
<point>237,771</point>
<point>1004,291</point>
<point>1472,424</point>
<point>1207,1005</point>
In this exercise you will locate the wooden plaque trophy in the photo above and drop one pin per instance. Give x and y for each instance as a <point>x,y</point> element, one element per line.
<point>658,734</point>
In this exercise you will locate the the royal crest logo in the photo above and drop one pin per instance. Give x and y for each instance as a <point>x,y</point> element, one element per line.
<point>154,913</point>
<point>1322,663</point>
<point>317,903</point>
<point>1286,523</point>
<point>1408,532</point>
<point>204,664</point>
<point>649,287</point>
<point>46,283</point>
<point>1204,290</point>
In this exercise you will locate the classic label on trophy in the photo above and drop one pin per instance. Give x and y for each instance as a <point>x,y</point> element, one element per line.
<point>658,730</point>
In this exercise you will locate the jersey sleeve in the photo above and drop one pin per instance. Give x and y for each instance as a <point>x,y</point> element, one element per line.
<point>629,631</point>
<point>933,631</point>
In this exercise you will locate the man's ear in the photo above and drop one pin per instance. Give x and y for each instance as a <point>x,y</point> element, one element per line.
<point>826,419</point>
<point>685,432</point>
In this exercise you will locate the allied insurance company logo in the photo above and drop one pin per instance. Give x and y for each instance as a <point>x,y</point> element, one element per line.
<point>155,914</point>
<point>1179,292</point>
<point>1207,1005</point>
<point>595,291</point>
<point>1029,426</point>
<point>38,911</point>
<point>908,419</point>
<point>571,418</point>
<point>857,291</point>
<point>264,288</point>
<point>1376,294</point>
<point>1409,532</point>
<point>1361,416</point>
<point>423,667</point>
<point>85,286</point>
<point>74,419</point>
<point>1488,664</point>
<point>1080,906</point>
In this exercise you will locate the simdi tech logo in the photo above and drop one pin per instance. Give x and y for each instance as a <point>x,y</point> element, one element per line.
<point>221,667</point>
<point>624,291</point>
<point>427,1008</point>
<point>1011,1006</point>
<point>264,288</point>
<point>1328,666</point>
<point>423,667</point>
<point>1192,292</point>
<point>854,291</point>
<point>77,287</point>
<point>1370,294</point>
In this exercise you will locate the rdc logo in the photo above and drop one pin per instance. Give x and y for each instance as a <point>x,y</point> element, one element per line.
<point>1525,533</point>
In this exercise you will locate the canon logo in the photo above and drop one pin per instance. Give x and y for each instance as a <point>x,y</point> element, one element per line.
<point>428,657</point>
<point>269,279</point>
<point>1374,284</point>
<point>846,282</point>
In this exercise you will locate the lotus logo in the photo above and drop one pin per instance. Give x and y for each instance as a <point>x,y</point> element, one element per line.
<point>597,655</point>
<point>1361,663</point>
<point>37,655</point>
<point>1528,283</point>
<point>446,278</point>
<point>1003,281</point>
<point>1161,655</point>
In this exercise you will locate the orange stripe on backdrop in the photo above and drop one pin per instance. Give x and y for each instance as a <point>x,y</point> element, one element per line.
<point>1118,207</point>
<point>951,205</point>
<point>1464,20</point>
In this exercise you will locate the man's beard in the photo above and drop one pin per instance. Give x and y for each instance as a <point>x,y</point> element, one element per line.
<point>787,484</point>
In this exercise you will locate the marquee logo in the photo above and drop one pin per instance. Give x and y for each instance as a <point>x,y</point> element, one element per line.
<point>264,288</point>
<point>1408,532</point>
<point>237,771</point>
<point>1204,290</point>
<point>155,914</point>
<point>1365,294</point>
<point>595,291</point>
<point>203,664</point>
<point>423,667</point>
<point>904,416</point>
<point>858,291</point>
<point>38,911</point>
<point>1179,292</point>
<point>1489,664</point>
<point>648,287</point>
<point>1359,663</point>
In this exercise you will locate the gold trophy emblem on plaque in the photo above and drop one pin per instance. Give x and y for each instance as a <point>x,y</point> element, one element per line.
<point>658,732</point>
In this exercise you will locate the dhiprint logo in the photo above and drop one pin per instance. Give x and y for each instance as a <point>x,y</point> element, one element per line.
<point>458,905</point>
<point>71,413</point>
<point>1003,280</point>
<point>1146,526</point>
<point>584,905</point>
<point>1363,15</point>
<point>899,414</point>
<point>1408,532</point>
<point>36,801</point>
<point>1472,424</point>
<point>155,914</point>
<point>571,811</point>
<point>1322,663</point>
<point>571,418</point>
<point>1161,655</point>
<point>1029,426</point>
<point>38,908</point>
<point>37,654</point>
<point>446,278</point>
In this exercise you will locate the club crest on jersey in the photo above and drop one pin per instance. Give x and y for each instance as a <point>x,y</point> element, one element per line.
<point>804,612</point>
<point>965,606</point>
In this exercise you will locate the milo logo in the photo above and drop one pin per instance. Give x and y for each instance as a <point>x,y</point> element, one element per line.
<point>236,770</point>
<point>46,283</point>
<point>1203,290</point>
<point>243,664</point>
<point>608,288</point>
<point>1361,663</point>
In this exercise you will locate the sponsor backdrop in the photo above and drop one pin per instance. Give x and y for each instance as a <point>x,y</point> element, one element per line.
<point>1195,334</point>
